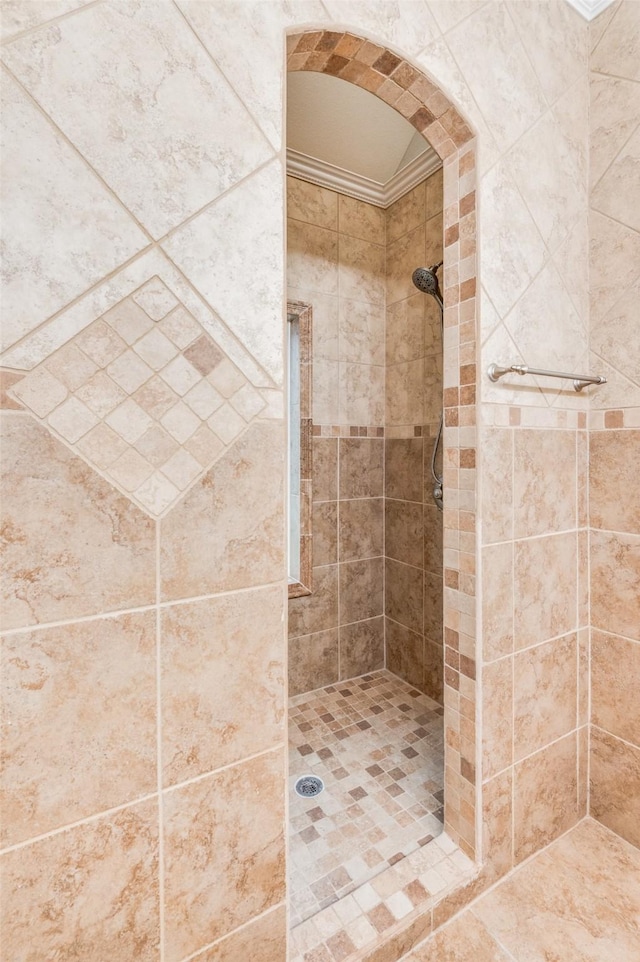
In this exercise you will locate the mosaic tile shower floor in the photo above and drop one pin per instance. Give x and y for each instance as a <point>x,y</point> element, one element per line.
<point>377,744</point>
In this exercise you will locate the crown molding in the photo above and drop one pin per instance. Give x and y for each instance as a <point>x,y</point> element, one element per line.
<point>362,188</point>
<point>590,9</point>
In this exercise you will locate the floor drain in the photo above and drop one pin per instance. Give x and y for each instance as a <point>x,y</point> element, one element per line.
<point>308,786</point>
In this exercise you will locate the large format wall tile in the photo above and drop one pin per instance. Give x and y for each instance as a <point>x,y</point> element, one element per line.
<point>245,289</point>
<point>545,589</point>
<point>18,16</point>
<point>311,204</point>
<point>482,40</point>
<point>74,545</point>
<point>403,594</point>
<point>577,901</point>
<point>617,193</point>
<point>79,722</point>
<point>556,43</point>
<point>554,189</point>
<point>497,485</point>
<point>614,466</point>
<point>264,940</point>
<point>616,349</point>
<point>615,576</point>
<point>497,732</point>
<point>361,647</point>
<point>88,893</point>
<point>234,822</point>
<point>53,251</point>
<point>405,656</point>
<point>615,685</point>
<point>497,600</point>
<point>228,530</point>
<point>313,661</point>
<point>563,345</point>
<point>545,796</point>
<point>361,529</point>
<point>465,940</point>
<point>615,106</point>
<point>319,610</point>
<point>166,154</point>
<point>544,695</point>
<point>361,590</point>
<point>617,50</point>
<point>544,482</point>
<point>207,703</point>
<point>615,784</point>
<point>245,40</point>
<point>512,245</point>
<point>361,468</point>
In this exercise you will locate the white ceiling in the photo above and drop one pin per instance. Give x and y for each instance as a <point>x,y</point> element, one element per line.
<point>343,126</point>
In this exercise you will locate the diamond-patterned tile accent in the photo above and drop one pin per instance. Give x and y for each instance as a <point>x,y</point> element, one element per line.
<point>145,395</point>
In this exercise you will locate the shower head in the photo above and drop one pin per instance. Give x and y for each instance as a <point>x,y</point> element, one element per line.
<point>426,280</point>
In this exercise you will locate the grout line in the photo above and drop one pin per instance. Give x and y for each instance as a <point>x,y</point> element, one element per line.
<point>159,746</point>
<point>592,187</point>
<point>537,644</point>
<point>593,49</point>
<point>614,634</point>
<point>230,86</point>
<point>88,820</point>
<point>615,220</point>
<point>492,935</point>
<point>625,741</point>
<point>538,537</point>
<point>518,33</point>
<point>198,293</point>
<point>223,768</point>
<point>613,76</point>
<point>199,953</point>
<point>47,23</point>
<point>141,609</point>
<point>508,876</point>
<point>77,152</point>
<point>537,751</point>
<point>143,252</point>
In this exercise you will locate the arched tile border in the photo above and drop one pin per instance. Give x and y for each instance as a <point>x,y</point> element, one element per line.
<point>405,88</point>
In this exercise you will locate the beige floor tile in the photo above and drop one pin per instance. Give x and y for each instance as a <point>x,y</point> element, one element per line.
<point>578,901</point>
<point>377,744</point>
<point>465,940</point>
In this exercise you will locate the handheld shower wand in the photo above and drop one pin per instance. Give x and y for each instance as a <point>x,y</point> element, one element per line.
<point>426,280</point>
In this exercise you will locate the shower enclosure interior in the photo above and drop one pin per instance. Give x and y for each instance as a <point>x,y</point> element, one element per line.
<point>365,645</point>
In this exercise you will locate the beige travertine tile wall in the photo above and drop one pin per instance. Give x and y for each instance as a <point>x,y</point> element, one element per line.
<point>335,262</point>
<point>373,338</point>
<point>413,525</point>
<point>181,155</point>
<point>143,458</point>
<point>614,450</point>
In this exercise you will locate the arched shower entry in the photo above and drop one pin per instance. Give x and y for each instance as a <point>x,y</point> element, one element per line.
<point>394,80</point>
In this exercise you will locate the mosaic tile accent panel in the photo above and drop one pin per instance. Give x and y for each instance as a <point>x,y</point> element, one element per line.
<point>377,744</point>
<point>145,395</point>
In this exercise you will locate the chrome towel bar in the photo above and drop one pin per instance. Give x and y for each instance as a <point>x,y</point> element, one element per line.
<point>496,371</point>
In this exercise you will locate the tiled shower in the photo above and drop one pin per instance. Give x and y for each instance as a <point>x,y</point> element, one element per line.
<point>144,641</point>
<point>366,647</point>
